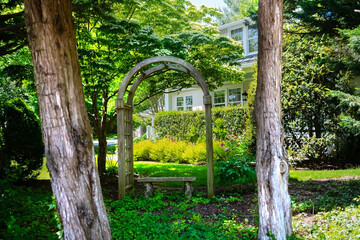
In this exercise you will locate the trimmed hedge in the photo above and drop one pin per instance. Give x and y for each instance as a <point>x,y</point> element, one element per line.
<point>190,125</point>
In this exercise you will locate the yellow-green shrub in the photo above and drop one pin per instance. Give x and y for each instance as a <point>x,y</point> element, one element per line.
<point>174,151</point>
<point>194,153</point>
<point>142,150</point>
<point>169,150</point>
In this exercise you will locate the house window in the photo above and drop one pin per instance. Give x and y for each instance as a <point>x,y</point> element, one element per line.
<point>189,103</point>
<point>184,104</point>
<point>237,34</point>
<point>219,98</point>
<point>252,40</point>
<point>234,96</point>
<point>180,103</point>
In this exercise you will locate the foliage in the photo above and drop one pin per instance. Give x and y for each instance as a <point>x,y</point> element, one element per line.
<point>141,218</point>
<point>235,168</point>
<point>115,36</point>
<point>335,210</point>
<point>338,193</point>
<point>12,27</point>
<point>141,121</point>
<point>324,17</point>
<point>337,224</point>
<point>25,213</point>
<point>249,135</point>
<point>237,10</point>
<point>311,67</point>
<point>312,148</point>
<point>190,125</point>
<point>333,213</point>
<point>22,150</point>
<point>170,150</point>
<point>109,149</point>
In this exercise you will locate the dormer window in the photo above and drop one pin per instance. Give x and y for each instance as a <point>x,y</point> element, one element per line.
<point>237,34</point>
<point>248,36</point>
<point>252,40</point>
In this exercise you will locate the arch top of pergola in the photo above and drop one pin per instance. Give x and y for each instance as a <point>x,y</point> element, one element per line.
<point>125,110</point>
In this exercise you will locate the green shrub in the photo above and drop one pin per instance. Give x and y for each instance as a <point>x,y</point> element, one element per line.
<point>190,125</point>
<point>235,167</point>
<point>142,150</point>
<point>312,148</point>
<point>174,151</point>
<point>139,139</point>
<point>111,149</point>
<point>157,151</point>
<point>170,150</point>
<point>195,153</point>
<point>22,149</point>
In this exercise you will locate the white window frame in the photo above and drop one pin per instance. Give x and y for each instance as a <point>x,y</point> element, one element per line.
<point>180,106</point>
<point>189,107</point>
<point>225,98</point>
<point>242,33</point>
<point>245,38</point>
<point>252,38</point>
<point>184,105</point>
<point>239,102</point>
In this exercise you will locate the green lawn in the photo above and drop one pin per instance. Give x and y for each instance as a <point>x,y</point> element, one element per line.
<point>147,169</point>
<point>183,170</point>
<point>304,175</point>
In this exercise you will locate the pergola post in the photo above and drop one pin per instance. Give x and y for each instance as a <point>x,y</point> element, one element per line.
<point>121,147</point>
<point>209,147</point>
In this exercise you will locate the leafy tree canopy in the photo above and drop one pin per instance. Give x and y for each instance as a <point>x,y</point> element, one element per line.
<point>324,16</point>
<point>12,27</point>
<point>236,10</point>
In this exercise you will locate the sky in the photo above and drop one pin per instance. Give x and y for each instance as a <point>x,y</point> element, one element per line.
<point>209,3</point>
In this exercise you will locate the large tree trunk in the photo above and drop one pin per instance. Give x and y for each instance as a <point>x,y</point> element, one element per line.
<point>65,125</point>
<point>271,159</point>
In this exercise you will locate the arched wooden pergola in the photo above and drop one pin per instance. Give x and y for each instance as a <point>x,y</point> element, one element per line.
<point>125,120</point>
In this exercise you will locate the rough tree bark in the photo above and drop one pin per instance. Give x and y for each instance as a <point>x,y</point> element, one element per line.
<point>65,124</point>
<point>271,158</point>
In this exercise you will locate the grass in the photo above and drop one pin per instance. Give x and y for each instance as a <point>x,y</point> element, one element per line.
<point>147,169</point>
<point>304,175</point>
<point>155,169</point>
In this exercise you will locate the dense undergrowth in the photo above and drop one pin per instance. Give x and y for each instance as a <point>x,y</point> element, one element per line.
<point>321,210</point>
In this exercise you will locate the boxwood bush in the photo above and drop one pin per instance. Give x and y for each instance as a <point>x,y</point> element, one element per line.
<point>190,125</point>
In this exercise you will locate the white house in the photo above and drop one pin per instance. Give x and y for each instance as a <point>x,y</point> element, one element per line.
<point>229,94</point>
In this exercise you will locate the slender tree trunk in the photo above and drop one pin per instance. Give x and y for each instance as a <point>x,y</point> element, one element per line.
<point>65,125</point>
<point>102,151</point>
<point>271,159</point>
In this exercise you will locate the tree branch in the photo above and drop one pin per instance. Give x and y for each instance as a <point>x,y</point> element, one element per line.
<point>111,120</point>
<point>7,29</point>
<point>12,15</point>
<point>5,52</point>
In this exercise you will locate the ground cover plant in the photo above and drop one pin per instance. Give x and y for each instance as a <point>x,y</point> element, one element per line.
<point>322,209</point>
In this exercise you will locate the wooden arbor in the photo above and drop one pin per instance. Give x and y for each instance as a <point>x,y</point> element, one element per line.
<point>125,121</point>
